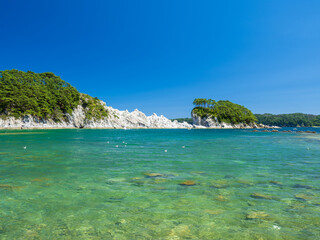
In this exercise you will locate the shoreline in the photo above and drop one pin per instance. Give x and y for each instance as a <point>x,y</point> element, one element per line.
<point>57,128</point>
<point>266,129</point>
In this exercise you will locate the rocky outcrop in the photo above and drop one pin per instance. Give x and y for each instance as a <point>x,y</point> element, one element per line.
<point>209,122</point>
<point>115,119</point>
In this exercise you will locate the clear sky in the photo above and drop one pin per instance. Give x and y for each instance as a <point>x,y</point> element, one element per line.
<point>159,55</point>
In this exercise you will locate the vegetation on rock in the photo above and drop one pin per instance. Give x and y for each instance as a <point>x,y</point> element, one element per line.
<point>224,111</point>
<point>93,107</point>
<point>43,95</point>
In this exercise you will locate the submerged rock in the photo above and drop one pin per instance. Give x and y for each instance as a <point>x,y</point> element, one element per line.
<point>40,179</point>
<point>137,181</point>
<point>228,176</point>
<point>276,183</point>
<point>159,180</point>
<point>180,232</point>
<point>121,222</point>
<point>153,175</point>
<point>302,186</point>
<point>213,212</point>
<point>303,197</point>
<point>294,207</point>
<point>307,162</point>
<point>187,183</point>
<point>257,215</point>
<point>115,180</point>
<point>220,184</point>
<point>310,132</point>
<point>171,175</point>
<point>136,178</point>
<point>199,173</point>
<point>245,182</point>
<point>261,196</point>
<point>251,203</point>
<point>10,187</point>
<point>221,198</point>
<point>217,185</point>
<point>115,199</point>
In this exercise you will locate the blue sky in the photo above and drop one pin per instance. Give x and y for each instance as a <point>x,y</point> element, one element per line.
<point>158,56</point>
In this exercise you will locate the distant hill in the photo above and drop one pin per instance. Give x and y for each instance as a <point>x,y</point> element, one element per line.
<point>289,120</point>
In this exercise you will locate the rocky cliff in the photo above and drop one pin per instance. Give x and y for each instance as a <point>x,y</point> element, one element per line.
<point>209,122</point>
<point>115,119</point>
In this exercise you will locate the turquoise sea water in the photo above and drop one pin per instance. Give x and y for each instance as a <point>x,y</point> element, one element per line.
<point>125,184</point>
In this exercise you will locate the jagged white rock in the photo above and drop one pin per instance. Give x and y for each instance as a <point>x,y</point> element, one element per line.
<point>208,122</point>
<point>116,119</point>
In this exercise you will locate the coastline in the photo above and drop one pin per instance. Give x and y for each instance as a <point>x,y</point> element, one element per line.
<point>117,119</point>
<point>57,128</point>
<point>132,128</point>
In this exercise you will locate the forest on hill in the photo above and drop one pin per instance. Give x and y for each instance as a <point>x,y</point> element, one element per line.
<point>43,95</point>
<point>289,120</point>
<point>223,110</point>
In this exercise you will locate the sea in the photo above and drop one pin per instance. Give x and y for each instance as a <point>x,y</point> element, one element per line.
<point>159,184</point>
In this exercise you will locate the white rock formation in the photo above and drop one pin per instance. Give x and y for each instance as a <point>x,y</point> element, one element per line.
<point>116,119</point>
<point>209,122</point>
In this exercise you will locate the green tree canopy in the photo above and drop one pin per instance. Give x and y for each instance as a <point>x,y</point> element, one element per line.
<point>43,95</point>
<point>39,94</point>
<point>224,111</point>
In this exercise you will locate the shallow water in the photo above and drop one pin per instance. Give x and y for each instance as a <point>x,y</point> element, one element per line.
<point>122,184</point>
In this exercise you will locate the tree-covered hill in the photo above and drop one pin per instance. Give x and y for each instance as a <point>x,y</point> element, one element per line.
<point>42,95</point>
<point>289,120</point>
<point>224,111</point>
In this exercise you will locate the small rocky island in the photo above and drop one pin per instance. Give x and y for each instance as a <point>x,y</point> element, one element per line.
<point>209,113</point>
